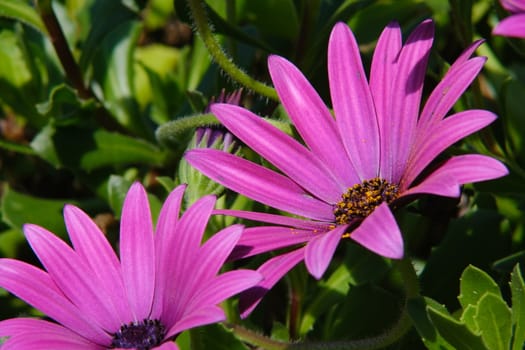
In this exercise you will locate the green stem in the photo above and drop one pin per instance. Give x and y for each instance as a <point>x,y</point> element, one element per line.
<point>390,336</point>
<point>173,132</point>
<point>256,339</point>
<point>201,23</point>
<point>61,46</point>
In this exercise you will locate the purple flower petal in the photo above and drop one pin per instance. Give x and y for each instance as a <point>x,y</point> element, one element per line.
<point>459,170</point>
<point>311,118</point>
<point>225,286</point>
<point>164,241</point>
<point>167,346</point>
<point>211,256</point>
<point>382,72</point>
<point>275,219</point>
<point>258,183</point>
<point>34,328</point>
<point>513,26</point>
<point>73,277</point>
<point>352,102</point>
<point>48,341</point>
<point>441,136</point>
<point>178,268</point>
<point>91,244</point>
<point>320,250</point>
<point>137,251</point>
<point>513,5</point>
<point>283,151</point>
<point>380,233</point>
<point>272,270</point>
<point>261,239</point>
<point>38,289</point>
<point>465,55</point>
<point>407,87</point>
<point>206,315</point>
<point>448,91</point>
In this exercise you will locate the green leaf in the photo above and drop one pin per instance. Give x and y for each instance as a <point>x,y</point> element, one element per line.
<point>21,11</point>
<point>64,105</point>
<point>468,317</point>
<point>474,283</point>
<point>454,332</point>
<point>494,320</point>
<point>18,209</point>
<point>87,149</point>
<point>118,186</point>
<point>359,267</point>
<point>417,310</point>
<point>517,287</point>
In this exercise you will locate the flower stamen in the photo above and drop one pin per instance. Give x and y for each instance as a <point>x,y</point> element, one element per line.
<point>140,335</point>
<point>361,199</point>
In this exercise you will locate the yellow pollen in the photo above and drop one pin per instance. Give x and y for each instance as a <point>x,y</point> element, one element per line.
<point>361,199</point>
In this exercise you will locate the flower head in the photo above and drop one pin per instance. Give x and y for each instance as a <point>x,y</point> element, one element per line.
<point>514,25</point>
<point>164,283</point>
<point>351,168</point>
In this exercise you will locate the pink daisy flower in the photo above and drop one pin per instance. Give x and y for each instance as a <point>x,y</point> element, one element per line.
<point>514,25</point>
<point>164,283</point>
<point>352,167</point>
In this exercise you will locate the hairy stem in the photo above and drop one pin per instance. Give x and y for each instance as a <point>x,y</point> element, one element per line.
<point>256,339</point>
<point>201,24</point>
<point>390,336</point>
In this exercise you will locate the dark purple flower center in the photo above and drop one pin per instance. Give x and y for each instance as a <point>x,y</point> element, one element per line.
<point>361,199</point>
<point>140,335</point>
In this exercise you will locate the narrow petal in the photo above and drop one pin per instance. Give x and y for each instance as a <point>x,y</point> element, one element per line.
<point>465,55</point>
<point>272,270</point>
<point>258,183</point>
<point>46,342</point>
<point>180,249</point>
<point>91,244</point>
<point>399,130</point>
<point>513,5</point>
<point>352,102</point>
<point>224,286</point>
<point>383,69</point>
<point>321,249</point>
<point>275,219</point>
<point>513,26</point>
<point>35,287</point>
<point>137,251</point>
<point>170,345</point>
<point>34,328</point>
<point>213,254</point>
<point>205,263</point>
<point>441,136</point>
<point>73,277</point>
<point>280,149</point>
<point>311,118</point>
<point>261,239</point>
<point>459,170</point>
<point>448,91</point>
<point>165,232</point>
<point>380,233</point>
<point>382,73</point>
<point>206,315</point>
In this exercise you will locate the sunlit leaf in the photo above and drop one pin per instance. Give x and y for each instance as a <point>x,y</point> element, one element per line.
<point>494,320</point>
<point>518,308</point>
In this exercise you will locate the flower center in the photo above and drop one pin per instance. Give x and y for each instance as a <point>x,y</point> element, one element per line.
<point>361,199</point>
<point>140,335</point>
